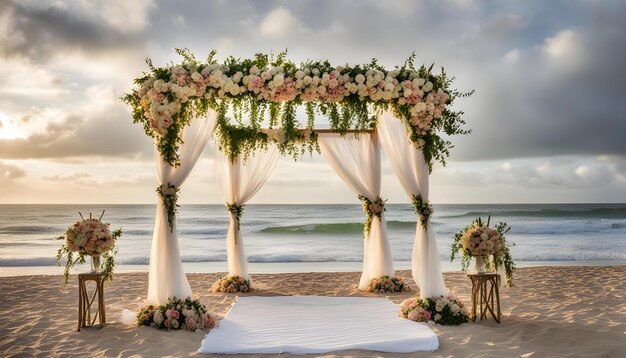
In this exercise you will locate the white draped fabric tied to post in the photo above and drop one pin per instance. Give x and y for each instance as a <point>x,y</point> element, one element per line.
<point>356,159</point>
<point>238,181</point>
<point>412,170</point>
<point>167,277</point>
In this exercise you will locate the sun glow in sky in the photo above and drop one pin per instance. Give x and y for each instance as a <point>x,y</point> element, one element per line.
<point>548,115</point>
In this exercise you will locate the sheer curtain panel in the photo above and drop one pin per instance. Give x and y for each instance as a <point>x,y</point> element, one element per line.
<point>237,182</point>
<point>411,169</point>
<point>167,277</point>
<point>356,159</point>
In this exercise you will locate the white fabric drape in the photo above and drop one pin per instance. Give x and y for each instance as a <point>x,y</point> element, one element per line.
<point>167,277</point>
<point>237,182</point>
<point>411,169</point>
<point>356,159</point>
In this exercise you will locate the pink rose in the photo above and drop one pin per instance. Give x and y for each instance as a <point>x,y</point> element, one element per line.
<point>427,315</point>
<point>174,314</point>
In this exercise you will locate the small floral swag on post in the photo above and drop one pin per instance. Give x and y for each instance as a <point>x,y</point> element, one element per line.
<point>187,314</point>
<point>448,310</point>
<point>169,195</point>
<point>479,239</point>
<point>272,88</point>
<point>386,284</point>
<point>423,209</point>
<point>231,284</point>
<point>371,209</point>
<point>237,211</point>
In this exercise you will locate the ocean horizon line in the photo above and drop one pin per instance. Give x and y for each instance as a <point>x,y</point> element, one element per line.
<point>350,203</point>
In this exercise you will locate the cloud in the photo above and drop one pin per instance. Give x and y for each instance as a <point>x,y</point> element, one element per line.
<point>279,22</point>
<point>99,127</point>
<point>552,173</point>
<point>11,172</point>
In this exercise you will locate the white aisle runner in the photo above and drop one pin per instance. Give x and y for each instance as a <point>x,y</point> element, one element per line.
<point>315,324</point>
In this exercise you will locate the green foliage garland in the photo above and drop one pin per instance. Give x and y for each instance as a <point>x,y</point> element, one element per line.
<point>423,209</point>
<point>248,92</point>
<point>371,209</point>
<point>169,195</point>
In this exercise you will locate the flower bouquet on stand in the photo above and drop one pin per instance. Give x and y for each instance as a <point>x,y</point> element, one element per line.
<point>90,237</point>
<point>487,246</point>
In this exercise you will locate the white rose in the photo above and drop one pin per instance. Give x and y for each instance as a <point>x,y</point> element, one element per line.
<point>279,79</point>
<point>484,236</point>
<point>307,80</point>
<point>407,93</point>
<point>359,78</point>
<point>196,76</point>
<point>158,85</point>
<point>428,86</point>
<point>299,74</point>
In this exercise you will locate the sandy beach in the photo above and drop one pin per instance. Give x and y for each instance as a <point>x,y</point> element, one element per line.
<point>551,311</point>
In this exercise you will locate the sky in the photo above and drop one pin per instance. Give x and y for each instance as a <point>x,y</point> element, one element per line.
<point>548,115</point>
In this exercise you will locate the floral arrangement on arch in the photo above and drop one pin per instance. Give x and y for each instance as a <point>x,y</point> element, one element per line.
<point>166,99</point>
<point>386,284</point>
<point>89,237</point>
<point>480,240</point>
<point>231,284</point>
<point>445,310</point>
<point>187,314</point>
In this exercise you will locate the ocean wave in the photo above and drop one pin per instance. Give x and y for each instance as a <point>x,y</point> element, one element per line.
<point>27,229</point>
<point>33,261</point>
<point>337,228</point>
<point>592,213</point>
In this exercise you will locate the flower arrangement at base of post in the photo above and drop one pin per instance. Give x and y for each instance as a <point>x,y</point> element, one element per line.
<point>89,237</point>
<point>448,310</point>
<point>386,284</point>
<point>489,244</point>
<point>177,313</point>
<point>231,284</point>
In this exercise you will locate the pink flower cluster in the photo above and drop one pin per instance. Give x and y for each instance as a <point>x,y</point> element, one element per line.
<point>231,284</point>
<point>482,241</point>
<point>186,314</point>
<point>91,237</point>
<point>161,99</point>
<point>447,309</point>
<point>386,284</point>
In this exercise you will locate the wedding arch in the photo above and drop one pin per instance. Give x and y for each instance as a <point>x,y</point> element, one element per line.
<point>407,110</point>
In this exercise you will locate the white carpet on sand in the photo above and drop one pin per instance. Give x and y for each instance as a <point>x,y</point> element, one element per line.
<point>316,324</point>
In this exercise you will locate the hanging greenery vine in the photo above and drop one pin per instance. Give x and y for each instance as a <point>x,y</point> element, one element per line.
<point>169,195</point>
<point>248,92</point>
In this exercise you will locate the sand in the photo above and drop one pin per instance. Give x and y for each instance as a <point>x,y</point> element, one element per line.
<point>550,312</point>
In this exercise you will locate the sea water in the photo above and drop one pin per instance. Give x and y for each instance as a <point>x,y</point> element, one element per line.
<point>297,238</point>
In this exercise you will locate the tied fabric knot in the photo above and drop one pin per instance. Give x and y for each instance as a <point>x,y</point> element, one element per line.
<point>423,209</point>
<point>169,195</point>
<point>237,212</point>
<point>371,209</point>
